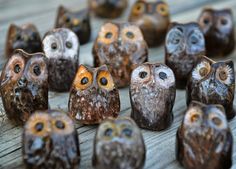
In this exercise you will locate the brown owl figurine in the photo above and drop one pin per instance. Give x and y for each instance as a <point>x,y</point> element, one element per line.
<point>25,37</point>
<point>152,96</point>
<point>108,8</point>
<point>78,22</point>
<point>218,29</point>
<point>50,140</point>
<point>61,47</point>
<point>118,144</point>
<point>153,18</point>
<point>120,46</point>
<point>24,85</point>
<point>213,83</point>
<point>204,139</point>
<point>184,45</point>
<point>93,96</point>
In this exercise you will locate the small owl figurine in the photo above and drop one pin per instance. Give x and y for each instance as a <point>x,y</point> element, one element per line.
<point>108,8</point>
<point>218,28</point>
<point>78,22</point>
<point>213,83</point>
<point>25,37</point>
<point>61,47</point>
<point>204,140</point>
<point>152,96</point>
<point>183,46</point>
<point>93,96</point>
<point>118,144</point>
<point>50,140</point>
<point>24,85</point>
<point>153,18</point>
<point>120,47</point>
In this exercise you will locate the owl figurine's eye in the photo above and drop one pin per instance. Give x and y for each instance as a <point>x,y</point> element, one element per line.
<point>217,119</point>
<point>201,70</point>
<point>138,9</point>
<point>164,76</point>
<point>174,40</point>
<point>140,74</point>
<point>163,9</point>
<point>37,70</point>
<point>108,33</point>
<point>54,46</point>
<point>225,74</point>
<point>105,80</point>
<point>17,68</point>
<point>193,117</point>
<point>83,78</point>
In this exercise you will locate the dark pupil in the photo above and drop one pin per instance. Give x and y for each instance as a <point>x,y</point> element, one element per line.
<point>39,126</point>
<point>37,70</point>
<point>224,21</point>
<point>17,68</point>
<point>130,35</point>
<point>18,37</point>
<point>127,132</point>
<point>162,75</point>
<point>176,41</point>
<point>163,9</point>
<point>194,40</point>
<point>216,121</point>
<point>69,45</point>
<point>142,75</point>
<point>84,80</point>
<point>206,21</point>
<point>60,124</point>
<point>103,81</point>
<point>54,46</point>
<point>67,19</point>
<point>108,132</point>
<point>108,35</point>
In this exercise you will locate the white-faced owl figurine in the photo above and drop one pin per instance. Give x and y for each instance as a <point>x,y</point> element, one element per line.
<point>93,95</point>
<point>204,139</point>
<point>184,45</point>
<point>24,85</point>
<point>152,96</point>
<point>118,144</point>
<point>61,47</point>
<point>218,28</point>
<point>120,46</point>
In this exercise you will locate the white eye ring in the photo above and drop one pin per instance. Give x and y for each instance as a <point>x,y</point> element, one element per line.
<point>201,70</point>
<point>217,119</point>
<point>226,77</point>
<point>164,76</point>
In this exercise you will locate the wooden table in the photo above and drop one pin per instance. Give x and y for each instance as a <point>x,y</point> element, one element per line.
<point>160,145</point>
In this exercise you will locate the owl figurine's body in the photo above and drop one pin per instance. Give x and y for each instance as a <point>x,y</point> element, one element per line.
<point>118,144</point>
<point>218,28</point>
<point>24,85</point>
<point>153,18</point>
<point>61,47</point>
<point>93,96</point>
<point>120,47</point>
<point>184,45</point>
<point>204,139</point>
<point>213,83</point>
<point>152,96</point>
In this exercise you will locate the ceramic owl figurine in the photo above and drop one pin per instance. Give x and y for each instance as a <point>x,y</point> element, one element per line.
<point>108,8</point>
<point>25,37</point>
<point>50,140</point>
<point>218,28</point>
<point>24,85</point>
<point>61,47</point>
<point>78,22</point>
<point>152,96</point>
<point>184,45</point>
<point>153,18</point>
<point>213,83</point>
<point>204,139</point>
<point>93,96</point>
<point>121,47</point>
<point>118,144</point>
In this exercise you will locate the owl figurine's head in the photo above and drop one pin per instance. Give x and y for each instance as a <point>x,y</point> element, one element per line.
<point>153,18</point>
<point>120,46</point>
<point>204,139</point>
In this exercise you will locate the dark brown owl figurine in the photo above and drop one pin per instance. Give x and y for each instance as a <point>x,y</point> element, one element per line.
<point>218,28</point>
<point>61,47</point>
<point>120,46</point>
<point>108,8</point>
<point>50,140</point>
<point>118,144</point>
<point>204,140</point>
<point>25,37</point>
<point>153,18</point>
<point>78,22</point>
<point>152,96</point>
<point>93,96</point>
<point>184,45</point>
<point>24,85</point>
<point>213,83</point>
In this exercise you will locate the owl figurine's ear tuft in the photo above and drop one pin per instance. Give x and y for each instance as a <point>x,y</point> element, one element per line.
<point>12,30</point>
<point>230,63</point>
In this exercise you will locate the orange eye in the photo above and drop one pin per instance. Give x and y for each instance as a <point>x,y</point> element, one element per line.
<point>163,9</point>
<point>83,78</point>
<point>108,33</point>
<point>105,80</point>
<point>138,9</point>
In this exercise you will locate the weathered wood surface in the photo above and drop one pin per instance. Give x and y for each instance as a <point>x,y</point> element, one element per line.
<point>160,145</point>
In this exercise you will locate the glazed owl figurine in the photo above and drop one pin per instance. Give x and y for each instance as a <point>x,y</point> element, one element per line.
<point>25,37</point>
<point>153,18</point>
<point>118,144</point>
<point>50,140</point>
<point>213,83</point>
<point>121,47</point>
<point>184,45</point>
<point>93,95</point>
<point>218,28</point>
<point>78,22</point>
<point>24,85</point>
<point>61,47</point>
<point>204,139</point>
<point>108,8</point>
<point>152,96</point>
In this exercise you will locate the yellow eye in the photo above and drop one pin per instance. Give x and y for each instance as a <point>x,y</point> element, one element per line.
<point>105,80</point>
<point>138,9</point>
<point>163,9</point>
<point>108,33</point>
<point>83,78</point>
